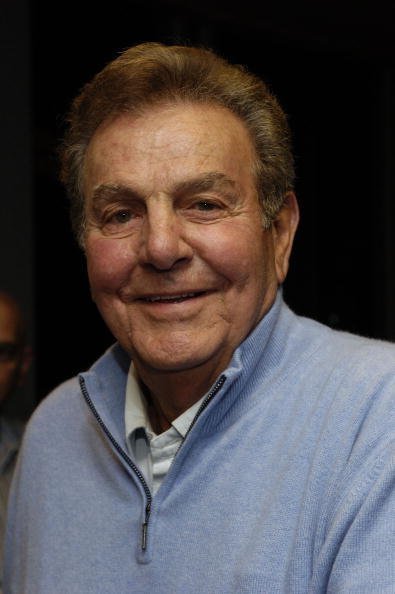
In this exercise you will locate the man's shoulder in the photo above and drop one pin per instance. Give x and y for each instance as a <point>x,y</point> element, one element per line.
<point>65,403</point>
<point>55,410</point>
<point>351,369</point>
<point>343,345</point>
<point>358,372</point>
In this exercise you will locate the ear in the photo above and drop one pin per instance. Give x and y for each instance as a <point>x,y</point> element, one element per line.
<point>284,229</point>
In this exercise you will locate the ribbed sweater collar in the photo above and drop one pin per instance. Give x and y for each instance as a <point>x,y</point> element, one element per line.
<point>106,380</point>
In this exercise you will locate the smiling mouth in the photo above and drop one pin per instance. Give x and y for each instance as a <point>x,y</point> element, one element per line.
<point>171,298</point>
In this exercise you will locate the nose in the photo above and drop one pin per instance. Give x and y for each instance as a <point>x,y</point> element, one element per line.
<point>164,241</point>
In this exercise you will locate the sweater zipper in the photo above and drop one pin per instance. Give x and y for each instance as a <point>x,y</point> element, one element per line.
<point>216,388</point>
<point>129,462</point>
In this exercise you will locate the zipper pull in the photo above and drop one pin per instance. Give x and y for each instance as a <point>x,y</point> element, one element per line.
<point>144,536</point>
<point>144,527</point>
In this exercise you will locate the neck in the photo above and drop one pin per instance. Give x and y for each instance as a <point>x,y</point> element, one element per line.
<point>170,393</point>
<point>159,421</point>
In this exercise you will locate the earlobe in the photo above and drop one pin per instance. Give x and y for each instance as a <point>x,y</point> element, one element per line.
<point>284,229</point>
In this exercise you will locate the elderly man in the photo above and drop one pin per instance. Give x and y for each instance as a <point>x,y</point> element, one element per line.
<point>223,445</point>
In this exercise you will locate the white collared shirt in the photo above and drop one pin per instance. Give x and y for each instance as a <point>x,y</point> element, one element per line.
<point>152,453</point>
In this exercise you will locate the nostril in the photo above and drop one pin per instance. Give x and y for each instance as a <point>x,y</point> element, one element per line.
<point>163,267</point>
<point>163,251</point>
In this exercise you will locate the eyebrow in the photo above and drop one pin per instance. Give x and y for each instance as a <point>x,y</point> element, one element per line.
<point>106,193</point>
<point>214,180</point>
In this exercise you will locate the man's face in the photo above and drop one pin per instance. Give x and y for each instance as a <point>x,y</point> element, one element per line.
<point>179,264</point>
<point>10,349</point>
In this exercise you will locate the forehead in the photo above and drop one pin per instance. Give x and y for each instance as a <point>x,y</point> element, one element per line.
<point>167,143</point>
<point>9,322</point>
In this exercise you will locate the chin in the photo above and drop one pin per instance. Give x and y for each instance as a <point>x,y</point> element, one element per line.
<point>173,358</point>
<point>162,362</point>
<point>177,350</point>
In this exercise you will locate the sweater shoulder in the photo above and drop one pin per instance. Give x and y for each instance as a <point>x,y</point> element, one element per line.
<point>65,403</point>
<point>55,411</point>
<point>337,346</point>
<point>353,375</point>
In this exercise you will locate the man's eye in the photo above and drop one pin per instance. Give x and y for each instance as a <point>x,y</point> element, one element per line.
<point>204,209</point>
<point>120,217</point>
<point>117,221</point>
<point>206,205</point>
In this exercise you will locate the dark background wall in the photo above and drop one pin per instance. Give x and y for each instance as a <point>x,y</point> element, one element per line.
<point>17,251</point>
<point>332,66</point>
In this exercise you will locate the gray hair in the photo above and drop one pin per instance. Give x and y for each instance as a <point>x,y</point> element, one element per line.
<point>152,73</point>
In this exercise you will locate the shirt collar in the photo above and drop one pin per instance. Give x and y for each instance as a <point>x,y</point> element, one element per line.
<point>136,412</point>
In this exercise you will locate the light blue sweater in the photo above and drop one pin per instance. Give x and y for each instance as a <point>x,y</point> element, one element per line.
<point>284,484</point>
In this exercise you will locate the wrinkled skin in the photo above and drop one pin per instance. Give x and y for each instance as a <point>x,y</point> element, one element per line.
<point>179,263</point>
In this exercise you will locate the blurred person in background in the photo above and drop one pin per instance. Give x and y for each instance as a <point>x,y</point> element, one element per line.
<point>15,358</point>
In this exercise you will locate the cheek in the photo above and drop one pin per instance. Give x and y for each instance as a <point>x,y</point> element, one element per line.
<point>109,264</point>
<point>238,253</point>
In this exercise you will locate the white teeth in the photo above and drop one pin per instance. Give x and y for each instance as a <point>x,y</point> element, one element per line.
<point>169,299</point>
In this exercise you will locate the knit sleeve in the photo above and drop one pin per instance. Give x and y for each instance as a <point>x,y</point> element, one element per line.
<point>361,540</point>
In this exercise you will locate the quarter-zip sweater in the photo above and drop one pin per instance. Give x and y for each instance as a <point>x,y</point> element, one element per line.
<point>284,483</point>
